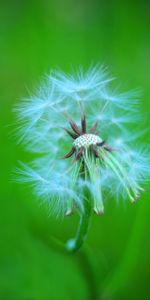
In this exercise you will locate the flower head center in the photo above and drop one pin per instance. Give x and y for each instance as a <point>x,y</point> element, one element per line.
<point>86,140</point>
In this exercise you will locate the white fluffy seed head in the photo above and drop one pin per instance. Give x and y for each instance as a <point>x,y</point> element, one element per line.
<point>86,140</point>
<point>61,98</point>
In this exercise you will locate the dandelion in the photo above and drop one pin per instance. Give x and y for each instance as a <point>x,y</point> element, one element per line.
<point>81,115</point>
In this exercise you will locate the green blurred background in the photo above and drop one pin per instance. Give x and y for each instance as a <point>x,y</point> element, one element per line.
<point>35,37</point>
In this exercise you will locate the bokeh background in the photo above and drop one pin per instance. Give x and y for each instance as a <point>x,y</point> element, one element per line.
<point>36,36</point>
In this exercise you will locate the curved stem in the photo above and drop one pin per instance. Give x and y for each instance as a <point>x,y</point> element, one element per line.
<point>88,271</point>
<point>82,257</point>
<point>75,244</point>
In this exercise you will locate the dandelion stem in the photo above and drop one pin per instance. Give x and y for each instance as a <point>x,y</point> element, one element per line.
<point>87,268</point>
<point>83,258</point>
<point>75,244</point>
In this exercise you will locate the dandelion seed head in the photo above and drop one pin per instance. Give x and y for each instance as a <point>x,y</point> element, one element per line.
<point>86,140</point>
<point>82,114</point>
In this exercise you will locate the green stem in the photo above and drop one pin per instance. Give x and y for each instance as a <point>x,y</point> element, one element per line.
<point>82,257</point>
<point>88,271</point>
<point>75,244</point>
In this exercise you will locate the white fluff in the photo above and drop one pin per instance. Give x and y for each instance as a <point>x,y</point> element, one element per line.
<point>40,121</point>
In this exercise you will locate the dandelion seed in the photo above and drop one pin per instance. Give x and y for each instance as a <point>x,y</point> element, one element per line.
<point>78,113</point>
